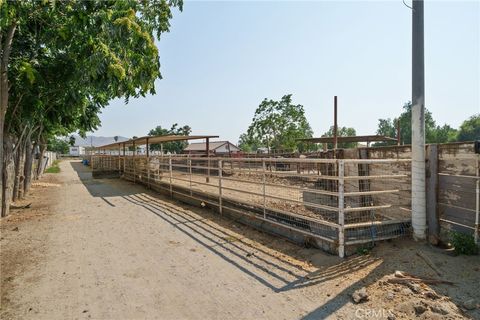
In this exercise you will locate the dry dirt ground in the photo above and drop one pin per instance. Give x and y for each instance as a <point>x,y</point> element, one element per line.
<point>109,249</point>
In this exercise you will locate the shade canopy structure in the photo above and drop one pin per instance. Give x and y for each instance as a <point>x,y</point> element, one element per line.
<point>368,139</point>
<point>150,140</point>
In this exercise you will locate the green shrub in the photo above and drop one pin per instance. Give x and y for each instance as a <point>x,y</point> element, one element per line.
<point>364,250</point>
<point>463,243</point>
<point>54,168</point>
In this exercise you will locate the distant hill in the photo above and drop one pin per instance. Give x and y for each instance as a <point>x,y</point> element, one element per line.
<point>96,141</point>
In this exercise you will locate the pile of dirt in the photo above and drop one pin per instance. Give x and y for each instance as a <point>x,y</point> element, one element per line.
<point>405,296</point>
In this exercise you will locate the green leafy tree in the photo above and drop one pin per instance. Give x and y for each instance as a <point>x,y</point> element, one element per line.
<point>58,145</point>
<point>277,125</point>
<point>62,62</point>
<point>342,132</point>
<point>172,147</point>
<point>248,144</point>
<point>433,133</point>
<point>445,134</point>
<point>470,129</point>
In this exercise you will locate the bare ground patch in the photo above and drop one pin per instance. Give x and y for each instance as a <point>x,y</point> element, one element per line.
<point>114,250</point>
<point>21,246</point>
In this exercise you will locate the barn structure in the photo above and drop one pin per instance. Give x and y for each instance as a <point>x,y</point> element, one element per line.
<point>215,147</point>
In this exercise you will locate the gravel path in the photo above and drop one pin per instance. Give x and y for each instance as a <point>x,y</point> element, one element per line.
<point>109,249</point>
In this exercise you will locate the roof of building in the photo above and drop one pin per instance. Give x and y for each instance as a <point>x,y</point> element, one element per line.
<point>349,139</point>
<point>202,146</point>
<point>151,140</point>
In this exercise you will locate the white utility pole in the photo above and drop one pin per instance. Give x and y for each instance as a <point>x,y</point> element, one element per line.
<point>419,215</point>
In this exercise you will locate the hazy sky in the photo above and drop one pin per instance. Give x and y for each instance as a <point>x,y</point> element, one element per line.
<point>221,59</point>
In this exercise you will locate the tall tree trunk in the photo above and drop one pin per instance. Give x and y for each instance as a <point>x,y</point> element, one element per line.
<point>16,173</point>
<point>8,173</point>
<point>36,152</point>
<point>27,169</point>
<point>21,190</point>
<point>5,49</point>
<point>43,147</point>
<point>18,177</point>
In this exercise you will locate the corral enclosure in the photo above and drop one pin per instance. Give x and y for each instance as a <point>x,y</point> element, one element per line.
<point>452,183</point>
<point>337,203</point>
<point>339,198</point>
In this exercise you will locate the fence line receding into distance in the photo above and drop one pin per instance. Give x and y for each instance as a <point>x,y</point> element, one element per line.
<point>339,202</point>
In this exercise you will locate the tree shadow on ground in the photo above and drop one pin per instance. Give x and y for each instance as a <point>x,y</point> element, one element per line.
<point>105,187</point>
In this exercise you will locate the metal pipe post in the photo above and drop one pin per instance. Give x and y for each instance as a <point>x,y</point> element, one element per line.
<point>119,159</point>
<point>148,165</point>
<point>477,202</point>
<point>171,174</point>
<point>124,159</point>
<point>335,124</point>
<point>208,159</point>
<point>220,186</point>
<point>264,191</point>
<point>190,172</point>
<point>341,208</point>
<point>133,158</point>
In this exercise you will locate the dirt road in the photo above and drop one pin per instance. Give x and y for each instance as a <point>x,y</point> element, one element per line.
<point>109,249</point>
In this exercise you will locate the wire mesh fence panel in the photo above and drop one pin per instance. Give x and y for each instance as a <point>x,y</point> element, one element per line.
<point>102,163</point>
<point>340,201</point>
<point>377,199</point>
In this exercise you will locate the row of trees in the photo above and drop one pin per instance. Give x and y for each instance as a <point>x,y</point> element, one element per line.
<point>61,63</point>
<point>174,146</point>
<point>468,131</point>
<point>277,126</point>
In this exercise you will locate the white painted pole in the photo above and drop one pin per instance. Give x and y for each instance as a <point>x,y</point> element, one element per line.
<point>419,213</point>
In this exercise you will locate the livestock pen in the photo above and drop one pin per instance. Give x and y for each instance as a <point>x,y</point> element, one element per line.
<point>336,203</point>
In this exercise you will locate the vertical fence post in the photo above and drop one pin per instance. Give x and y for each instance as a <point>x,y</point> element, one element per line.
<point>119,159</point>
<point>133,157</point>
<point>263,190</point>
<point>432,183</point>
<point>148,164</point>
<point>220,168</point>
<point>171,173</point>
<point>341,206</point>
<point>207,179</point>
<point>148,172</point>
<point>477,202</point>
<point>190,173</point>
<point>124,159</point>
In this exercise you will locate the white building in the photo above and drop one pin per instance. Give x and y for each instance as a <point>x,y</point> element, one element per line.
<point>216,147</point>
<point>76,151</point>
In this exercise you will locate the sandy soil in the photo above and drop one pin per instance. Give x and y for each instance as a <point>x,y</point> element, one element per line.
<point>109,249</point>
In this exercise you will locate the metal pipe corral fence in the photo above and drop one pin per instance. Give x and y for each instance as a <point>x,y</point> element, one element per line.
<point>339,203</point>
